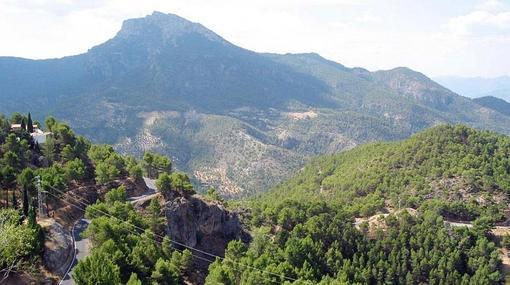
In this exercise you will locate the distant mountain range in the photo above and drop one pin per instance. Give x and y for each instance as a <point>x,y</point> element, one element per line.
<point>494,103</point>
<point>236,119</point>
<point>475,87</point>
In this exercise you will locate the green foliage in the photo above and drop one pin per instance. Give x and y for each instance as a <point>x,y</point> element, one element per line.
<point>134,169</point>
<point>154,215</point>
<point>438,163</point>
<point>165,273</point>
<point>116,195</point>
<point>109,164</point>
<point>8,176</point>
<point>74,169</point>
<point>50,122</point>
<point>49,149</point>
<point>505,241</point>
<point>30,124</point>
<point>176,181</point>
<point>106,172</point>
<point>314,243</point>
<point>96,269</point>
<point>164,183</point>
<point>181,182</point>
<point>138,255</point>
<point>19,240</point>
<point>67,153</point>
<point>213,195</point>
<point>25,181</point>
<point>11,159</point>
<point>53,177</point>
<point>133,280</point>
<point>155,164</point>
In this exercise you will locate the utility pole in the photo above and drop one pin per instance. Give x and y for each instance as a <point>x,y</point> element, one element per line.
<point>40,198</point>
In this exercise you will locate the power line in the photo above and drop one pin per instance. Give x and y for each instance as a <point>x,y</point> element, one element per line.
<point>131,231</point>
<point>179,243</point>
<point>160,243</point>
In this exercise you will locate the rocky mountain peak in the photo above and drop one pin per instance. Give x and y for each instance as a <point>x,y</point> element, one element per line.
<point>415,85</point>
<point>167,26</point>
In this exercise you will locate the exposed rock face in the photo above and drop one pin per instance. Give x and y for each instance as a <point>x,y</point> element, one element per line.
<point>58,247</point>
<point>203,225</point>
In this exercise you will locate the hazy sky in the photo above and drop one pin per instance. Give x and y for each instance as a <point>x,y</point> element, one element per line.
<point>437,37</point>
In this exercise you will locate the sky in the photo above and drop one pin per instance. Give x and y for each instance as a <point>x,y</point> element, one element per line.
<point>436,37</point>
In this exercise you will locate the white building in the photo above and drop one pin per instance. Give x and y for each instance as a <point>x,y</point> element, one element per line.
<point>38,135</point>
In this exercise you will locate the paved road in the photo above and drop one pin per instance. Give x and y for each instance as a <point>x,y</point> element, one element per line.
<point>147,195</point>
<point>82,249</point>
<point>151,184</point>
<point>82,246</point>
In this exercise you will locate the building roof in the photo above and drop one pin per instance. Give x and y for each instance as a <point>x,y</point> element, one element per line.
<point>18,126</point>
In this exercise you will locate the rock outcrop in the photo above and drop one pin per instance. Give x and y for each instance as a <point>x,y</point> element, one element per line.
<point>207,226</point>
<point>58,247</point>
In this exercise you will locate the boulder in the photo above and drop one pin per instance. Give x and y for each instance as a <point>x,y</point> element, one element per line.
<point>58,247</point>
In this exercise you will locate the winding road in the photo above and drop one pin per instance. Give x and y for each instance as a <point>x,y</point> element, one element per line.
<point>82,246</point>
<point>82,249</point>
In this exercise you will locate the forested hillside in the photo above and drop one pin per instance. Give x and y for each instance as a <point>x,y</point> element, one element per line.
<point>235,119</point>
<point>495,104</point>
<point>60,162</point>
<point>313,243</point>
<point>302,232</point>
<point>463,171</point>
<point>128,244</point>
<point>311,230</point>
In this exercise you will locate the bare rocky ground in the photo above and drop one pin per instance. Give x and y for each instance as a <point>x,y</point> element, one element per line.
<point>58,247</point>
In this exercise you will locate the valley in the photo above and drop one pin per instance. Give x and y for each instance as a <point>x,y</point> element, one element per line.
<point>236,120</point>
<point>329,223</point>
<point>169,154</point>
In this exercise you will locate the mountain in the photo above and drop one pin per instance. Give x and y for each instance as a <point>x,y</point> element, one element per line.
<point>384,213</point>
<point>475,87</point>
<point>462,171</point>
<point>236,119</point>
<point>494,103</point>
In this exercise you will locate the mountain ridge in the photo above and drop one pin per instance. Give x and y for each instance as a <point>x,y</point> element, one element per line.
<point>494,103</point>
<point>238,120</point>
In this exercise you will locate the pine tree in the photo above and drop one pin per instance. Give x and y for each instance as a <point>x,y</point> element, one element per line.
<point>25,182</point>
<point>23,124</point>
<point>30,124</point>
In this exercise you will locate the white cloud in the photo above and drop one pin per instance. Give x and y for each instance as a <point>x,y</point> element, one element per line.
<point>481,24</point>
<point>492,6</point>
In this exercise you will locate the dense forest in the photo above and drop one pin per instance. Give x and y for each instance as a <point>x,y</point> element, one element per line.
<point>461,172</point>
<point>127,247</point>
<point>313,243</point>
<point>304,231</point>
